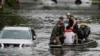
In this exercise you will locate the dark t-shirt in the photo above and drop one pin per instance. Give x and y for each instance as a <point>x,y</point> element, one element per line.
<point>70,23</point>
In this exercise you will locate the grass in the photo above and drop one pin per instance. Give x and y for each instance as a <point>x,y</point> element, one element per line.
<point>95,1</point>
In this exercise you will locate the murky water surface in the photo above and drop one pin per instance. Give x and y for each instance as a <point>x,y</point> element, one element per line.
<point>42,48</point>
<point>48,19</point>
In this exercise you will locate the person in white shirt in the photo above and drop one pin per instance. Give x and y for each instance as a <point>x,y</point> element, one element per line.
<point>69,36</point>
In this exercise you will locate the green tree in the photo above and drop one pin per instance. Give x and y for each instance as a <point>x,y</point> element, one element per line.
<point>11,20</point>
<point>10,3</point>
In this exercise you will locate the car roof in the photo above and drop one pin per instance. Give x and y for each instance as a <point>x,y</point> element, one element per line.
<point>16,28</point>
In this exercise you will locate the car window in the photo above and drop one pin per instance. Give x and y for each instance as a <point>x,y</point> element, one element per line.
<point>15,34</point>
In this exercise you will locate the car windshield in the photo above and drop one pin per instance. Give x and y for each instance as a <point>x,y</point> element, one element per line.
<point>15,34</point>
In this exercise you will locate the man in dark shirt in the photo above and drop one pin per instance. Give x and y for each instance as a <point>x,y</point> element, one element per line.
<point>72,23</point>
<point>84,31</point>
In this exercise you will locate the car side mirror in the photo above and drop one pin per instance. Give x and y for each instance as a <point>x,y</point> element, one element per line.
<point>33,37</point>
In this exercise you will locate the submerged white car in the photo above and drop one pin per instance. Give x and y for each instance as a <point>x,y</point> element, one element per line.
<point>48,3</point>
<point>85,4</point>
<point>17,37</point>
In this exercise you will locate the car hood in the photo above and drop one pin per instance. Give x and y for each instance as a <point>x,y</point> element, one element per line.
<point>16,41</point>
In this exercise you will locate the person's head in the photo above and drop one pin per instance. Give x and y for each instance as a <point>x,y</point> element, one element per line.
<point>83,24</point>
<point>68,15</point>
<point>60,24</point>
<point>61,18</point>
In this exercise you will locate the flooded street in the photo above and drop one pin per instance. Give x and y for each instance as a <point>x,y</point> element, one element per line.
<point>42,49</point>
<point>48,19</point>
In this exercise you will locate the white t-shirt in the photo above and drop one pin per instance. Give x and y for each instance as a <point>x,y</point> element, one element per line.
<point>69,37</point>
